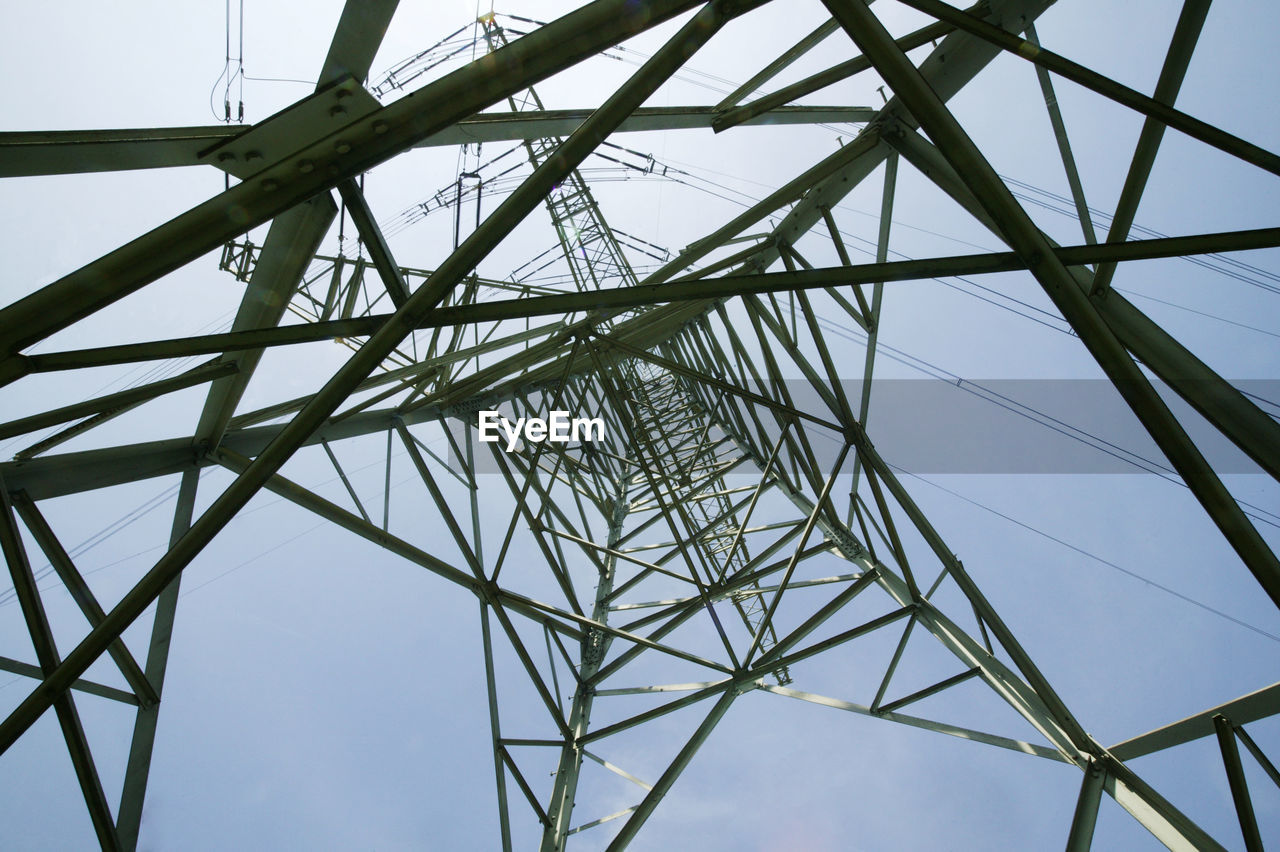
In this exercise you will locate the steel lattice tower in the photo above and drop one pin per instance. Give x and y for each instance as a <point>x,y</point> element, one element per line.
<point>735,524</point>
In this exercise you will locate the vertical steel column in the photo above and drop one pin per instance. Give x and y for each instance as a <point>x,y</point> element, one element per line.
<point>1185,36</point>
<point>138,768</point>
<point>1086,815</point>
<point>595,645</point>
<point>495,728</point>
<point>1064,144</point>
<point>1239,786</point>
<point>877,298</point>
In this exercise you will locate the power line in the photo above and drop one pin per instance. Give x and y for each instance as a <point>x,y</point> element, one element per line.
<point>1036,416</point>
<point>1108,563</point>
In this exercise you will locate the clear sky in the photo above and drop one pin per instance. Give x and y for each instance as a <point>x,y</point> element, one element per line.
<point>324,694</point>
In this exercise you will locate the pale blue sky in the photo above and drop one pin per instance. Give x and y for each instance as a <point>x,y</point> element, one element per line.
<point>323,694</point>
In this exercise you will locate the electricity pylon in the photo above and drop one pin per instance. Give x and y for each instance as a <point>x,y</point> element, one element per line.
<point>618,564</point>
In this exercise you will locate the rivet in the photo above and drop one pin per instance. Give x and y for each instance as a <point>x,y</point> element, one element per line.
<point>306,166</point>
<point>342,146</point>
<point>270,185</point>
<point>337,110</point>
<point>226,157</point>
<point>253,155</point>
<point>380,127</point>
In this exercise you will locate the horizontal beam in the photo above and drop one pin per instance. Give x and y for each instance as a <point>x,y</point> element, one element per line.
<point>901,270</point>
<point>514,126</point>
<point>60,152</point>
<point>114,401</point>
<point>88,687</point>
<point>648,294</point>
<point>938,727</point>
<point>71,473</point>
<point>1247,708</point>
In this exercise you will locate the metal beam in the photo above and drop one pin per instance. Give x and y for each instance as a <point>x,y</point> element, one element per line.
<point>1257,705</point>
<point>115,401</point>
<point>916,722</point>
<point>88,687</point>
<point>1239,786</point>
<point>1064,145</point>
<point>82,595</point>
<point>775,100</point>
<point>668,779</point>
<point>293,239</point>
<point>1025,238</point>
<point>1085,818</point>
<point>33,612</point>
<point>691,289</point>
<point>1235,415</point>
<point>138,768</point>
<point>60,152</point>
<point>771,70</point>
<point>356,40</point>
<point>1258,755</point>
<point>1183,44</point>
<point>1096,82</point>
<point>390,274</point>
<point>341,154</point>
<point>545,124</point>
<point>568,771</point>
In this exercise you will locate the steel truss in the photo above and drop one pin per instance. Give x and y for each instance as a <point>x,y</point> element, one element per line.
<point>642,551</point>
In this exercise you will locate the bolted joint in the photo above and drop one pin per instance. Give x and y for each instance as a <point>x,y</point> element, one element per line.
<point>849,546</point>
<point>488,591</point>
<point>593,647</point>
<point>621,508</point>
<point>856,434</point>
<point>746,680</point>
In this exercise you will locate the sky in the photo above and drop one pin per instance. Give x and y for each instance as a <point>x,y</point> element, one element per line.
<point>325,694</point>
